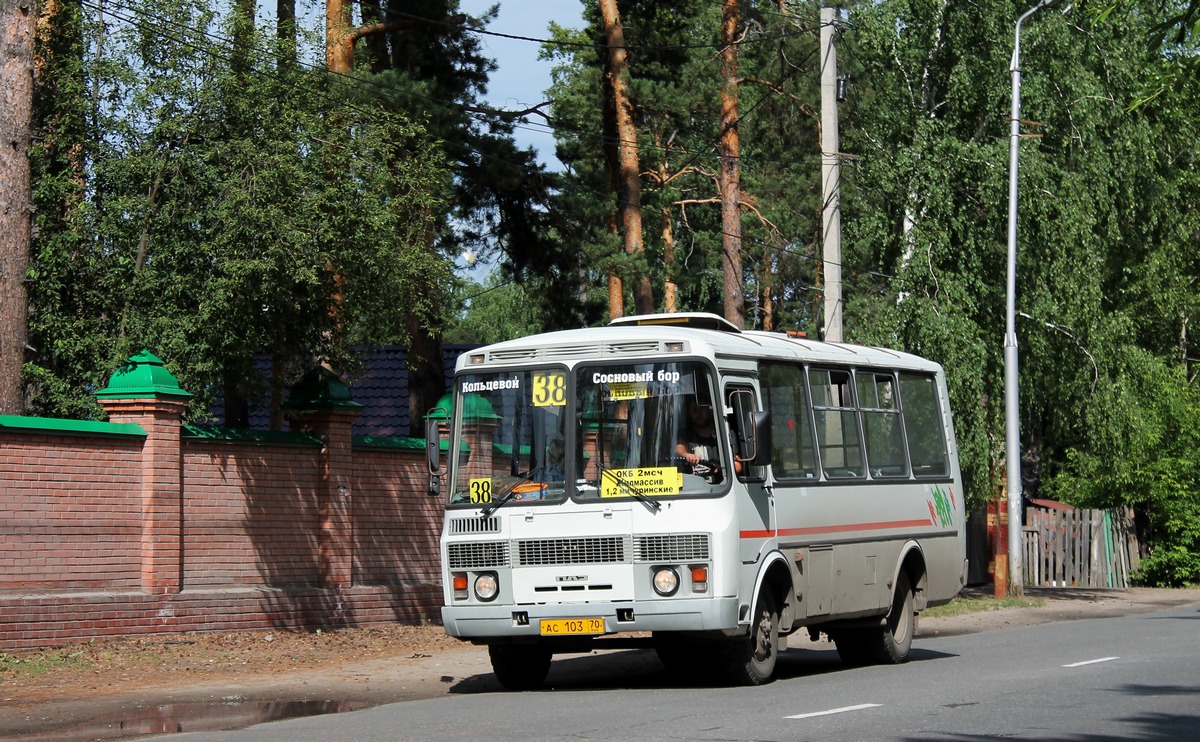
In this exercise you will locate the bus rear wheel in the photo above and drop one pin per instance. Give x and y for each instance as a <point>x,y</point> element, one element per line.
<point>750,660</point>
<point>520,666</point>
<point>890,643</point>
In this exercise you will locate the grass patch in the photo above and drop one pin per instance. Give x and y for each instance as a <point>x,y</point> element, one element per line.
<point>962,606</point>
<point>42,662</point>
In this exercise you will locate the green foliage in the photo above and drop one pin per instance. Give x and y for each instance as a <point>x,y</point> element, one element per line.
<point>1106,258</point>
<point>227,202</point>
<point>1154,466</point>
<point>499,309</point>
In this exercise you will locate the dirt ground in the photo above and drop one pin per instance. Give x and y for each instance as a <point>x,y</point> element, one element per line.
<point>117,688</point>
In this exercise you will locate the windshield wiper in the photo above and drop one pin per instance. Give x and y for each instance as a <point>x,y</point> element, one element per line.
<point>495,505</point>
<point>634,492</point>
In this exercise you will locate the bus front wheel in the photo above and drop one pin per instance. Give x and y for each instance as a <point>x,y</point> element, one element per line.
<point>750,660</point>
<point>520,666</point>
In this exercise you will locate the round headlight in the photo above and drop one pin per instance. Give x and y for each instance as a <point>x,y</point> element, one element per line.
<point>666,581</point>
<point>486,586</point>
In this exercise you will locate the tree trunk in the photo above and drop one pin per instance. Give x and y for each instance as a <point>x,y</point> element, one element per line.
<point>426,373</point>
<point>339,38</point>
<point>285,31</point>
<point>767,292</point>
<point>629,203</point>
<point>16,195</point>
<point>377,44</point>
<point>616,287</point>
<point>670,287</point>
<point>731,217</point>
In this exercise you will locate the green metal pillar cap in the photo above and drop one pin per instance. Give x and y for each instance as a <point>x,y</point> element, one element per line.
<point>143,375</point>
<point>320,389</point>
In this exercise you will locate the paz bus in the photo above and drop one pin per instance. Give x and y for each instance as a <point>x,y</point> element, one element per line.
<point>826,496</point>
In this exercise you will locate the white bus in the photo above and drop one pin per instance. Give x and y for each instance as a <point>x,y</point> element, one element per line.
<point>676,482</point>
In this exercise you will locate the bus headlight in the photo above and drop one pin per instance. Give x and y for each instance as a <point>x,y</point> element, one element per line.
<point>487,587</point>
<point>666,581</point>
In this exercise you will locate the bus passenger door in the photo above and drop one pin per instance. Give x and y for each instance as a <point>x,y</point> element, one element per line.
<point>755,503</point>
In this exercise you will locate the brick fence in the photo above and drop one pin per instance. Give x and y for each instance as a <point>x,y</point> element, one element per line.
<point>141,524</point>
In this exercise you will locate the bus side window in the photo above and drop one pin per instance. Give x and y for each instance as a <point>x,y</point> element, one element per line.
<point>837,423</point>
<point>882,430</point>
<point>923,423</point>
<point>785,397</point>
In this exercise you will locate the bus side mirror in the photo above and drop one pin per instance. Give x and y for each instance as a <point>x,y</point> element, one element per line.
<point>433,456</point>
<point>762,439</point>
<point>752,429</point>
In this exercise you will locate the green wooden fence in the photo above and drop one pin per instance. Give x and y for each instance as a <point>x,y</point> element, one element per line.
<point>1067,547</point>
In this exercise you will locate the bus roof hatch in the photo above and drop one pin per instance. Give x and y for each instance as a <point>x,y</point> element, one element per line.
<point>697,320</point>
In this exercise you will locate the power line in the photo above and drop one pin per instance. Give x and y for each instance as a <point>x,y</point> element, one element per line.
<point>588,45</point>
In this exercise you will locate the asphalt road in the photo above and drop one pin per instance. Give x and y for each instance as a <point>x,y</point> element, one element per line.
<point>1132,677</point>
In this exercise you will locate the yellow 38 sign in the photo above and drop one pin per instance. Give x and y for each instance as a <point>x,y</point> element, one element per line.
<point>549,389</point>
<point>481,490</point>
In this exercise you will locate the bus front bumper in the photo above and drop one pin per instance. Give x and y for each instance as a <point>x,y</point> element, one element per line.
<point>684,614</point>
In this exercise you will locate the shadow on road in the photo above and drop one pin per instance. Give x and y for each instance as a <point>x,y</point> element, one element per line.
<point>641,669</point>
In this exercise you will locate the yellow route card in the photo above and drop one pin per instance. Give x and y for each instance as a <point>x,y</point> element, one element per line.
<point>652,482</point>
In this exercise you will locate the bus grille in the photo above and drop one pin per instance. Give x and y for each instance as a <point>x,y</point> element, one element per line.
<point>671,547</point>
<point>477,554</point>
<point>460,526</point>
<point>597,550</point>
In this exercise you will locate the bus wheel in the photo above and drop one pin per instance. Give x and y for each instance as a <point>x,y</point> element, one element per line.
<point>750,660</point>
<point>520,666</point>
<point>891,642</point>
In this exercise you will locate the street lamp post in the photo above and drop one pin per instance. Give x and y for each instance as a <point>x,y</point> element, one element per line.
<point>1012,428</point>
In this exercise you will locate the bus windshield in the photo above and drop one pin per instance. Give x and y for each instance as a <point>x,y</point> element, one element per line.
<point>511,437</point>
<point>618,431</point>
<point>649,428</point>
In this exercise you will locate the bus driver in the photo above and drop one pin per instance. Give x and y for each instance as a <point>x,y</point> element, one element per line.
<point>699,442</point>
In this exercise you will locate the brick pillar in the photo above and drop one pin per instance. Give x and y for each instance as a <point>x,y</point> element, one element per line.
<point>321,405</point>
<point>145,393</point>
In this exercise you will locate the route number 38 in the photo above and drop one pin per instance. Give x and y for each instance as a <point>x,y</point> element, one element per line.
<point>550,389</point>
<point>481,490</point>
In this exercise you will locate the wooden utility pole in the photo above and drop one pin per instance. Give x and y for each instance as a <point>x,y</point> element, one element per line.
<point>17,23</point>
<point>629,193</point>
<point>732,281</point>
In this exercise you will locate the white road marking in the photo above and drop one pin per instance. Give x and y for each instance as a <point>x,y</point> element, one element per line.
<point>1092,662</point>
<point>842,710</point>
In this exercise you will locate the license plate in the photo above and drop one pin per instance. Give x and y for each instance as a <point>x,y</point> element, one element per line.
<point>572,626</point>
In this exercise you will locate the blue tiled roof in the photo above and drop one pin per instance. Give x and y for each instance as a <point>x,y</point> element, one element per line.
<point>381,387</point>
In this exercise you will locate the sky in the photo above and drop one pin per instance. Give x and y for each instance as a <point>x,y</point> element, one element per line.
<point>522,78</point>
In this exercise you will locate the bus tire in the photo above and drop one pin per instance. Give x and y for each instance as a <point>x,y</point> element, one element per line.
<point>750,660</point>
<point>890,643</point>
<point>520,666</point>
